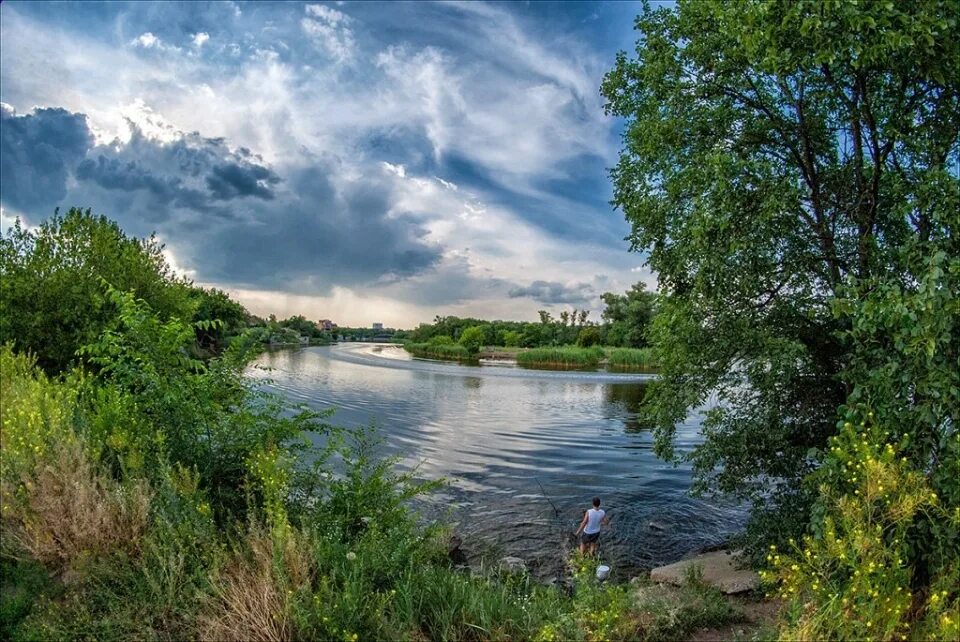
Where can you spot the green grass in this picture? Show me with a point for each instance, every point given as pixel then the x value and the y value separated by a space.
pixel 630 358
pixel 446 352
pixel 674 613
pixel 561 356
pixel 21 586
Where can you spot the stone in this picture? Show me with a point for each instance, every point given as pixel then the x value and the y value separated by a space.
pixel 512 564
pixel 719 568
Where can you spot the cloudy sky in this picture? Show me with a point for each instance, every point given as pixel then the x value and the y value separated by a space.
pixel 361 162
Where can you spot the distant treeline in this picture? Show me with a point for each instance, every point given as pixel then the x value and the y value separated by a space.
pixel 624 321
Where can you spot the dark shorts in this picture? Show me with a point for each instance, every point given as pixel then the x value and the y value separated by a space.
pixel 589 538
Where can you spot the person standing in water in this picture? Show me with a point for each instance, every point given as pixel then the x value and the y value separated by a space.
pixel 593 519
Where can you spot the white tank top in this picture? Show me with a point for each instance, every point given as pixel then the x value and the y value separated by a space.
pixel 594 517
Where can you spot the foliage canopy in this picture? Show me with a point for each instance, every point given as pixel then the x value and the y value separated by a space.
pixel 791 170
pixel 51 298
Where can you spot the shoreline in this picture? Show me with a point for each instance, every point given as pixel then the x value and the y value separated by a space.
pixel 508 357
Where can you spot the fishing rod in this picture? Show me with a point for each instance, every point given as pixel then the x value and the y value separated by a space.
pixel 561 528
pixel 556 511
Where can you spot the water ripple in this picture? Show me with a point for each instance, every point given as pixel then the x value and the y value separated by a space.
pixel 499 434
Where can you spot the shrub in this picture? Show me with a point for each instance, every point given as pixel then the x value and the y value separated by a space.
pixel 70 510
pixel 253 595
pixel 852 577
pixel 589 336
pixel 51 300
pixel 472 339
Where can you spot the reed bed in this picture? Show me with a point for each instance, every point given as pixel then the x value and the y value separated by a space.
pixel 561 356
pixel 444 351
pixel 630 358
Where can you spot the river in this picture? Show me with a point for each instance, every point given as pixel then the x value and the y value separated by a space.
pixel 523 451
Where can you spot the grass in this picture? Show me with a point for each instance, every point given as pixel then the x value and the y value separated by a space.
pixel 561 356
pixel 445 352
pixel 22 583
pixel 577 357
pixel 673 613
pixel 630 358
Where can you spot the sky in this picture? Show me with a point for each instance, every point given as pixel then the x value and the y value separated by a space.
pixel 361 162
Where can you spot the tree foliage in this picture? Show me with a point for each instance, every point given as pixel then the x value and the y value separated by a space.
pixel 625 322
pixel 791 169
pixel 216 305
pixel 51 298
pixel 472 339
pixel 628 316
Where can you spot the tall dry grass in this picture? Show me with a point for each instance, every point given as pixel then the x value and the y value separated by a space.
pixel 67 509
pixel 253 594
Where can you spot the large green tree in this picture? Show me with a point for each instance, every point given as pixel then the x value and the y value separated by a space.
pixel 789 166
pixel 52 296
pixel 628 314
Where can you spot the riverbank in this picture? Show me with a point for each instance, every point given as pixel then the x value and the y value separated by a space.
pixel 168 545
pixel 547 358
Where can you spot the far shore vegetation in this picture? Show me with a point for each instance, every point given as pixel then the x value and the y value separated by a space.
pixel 569 340
pixel 558 357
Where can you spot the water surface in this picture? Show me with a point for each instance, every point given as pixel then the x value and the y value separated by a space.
pixel 515 445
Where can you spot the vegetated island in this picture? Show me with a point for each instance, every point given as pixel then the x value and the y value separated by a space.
pixel 548 358
pixel 570 341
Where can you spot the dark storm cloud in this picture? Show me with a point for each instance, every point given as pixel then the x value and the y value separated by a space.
pixel 37 152
pixel 308 232
pixel 231 180
pixel 130 176
pixel 321 233
pixel 552 292
pixel 41 150
pixel 191 171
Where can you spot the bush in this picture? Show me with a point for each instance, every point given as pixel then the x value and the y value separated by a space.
pixel 51 299
pixel 852 578
pixel 589 336
pixel 69 510
pixel 472 339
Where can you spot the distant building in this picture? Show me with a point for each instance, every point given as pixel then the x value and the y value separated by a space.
pixel 326 324
pixel 378 326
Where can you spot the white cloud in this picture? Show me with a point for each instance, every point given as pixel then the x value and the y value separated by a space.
pixel 507 102
pixel 147 40
pixel 329 30
pixel 447 184
pixel 328 15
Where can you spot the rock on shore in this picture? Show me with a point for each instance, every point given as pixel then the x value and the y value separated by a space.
pixel 719 568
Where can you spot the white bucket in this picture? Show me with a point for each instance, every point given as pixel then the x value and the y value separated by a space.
pixel 602 572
